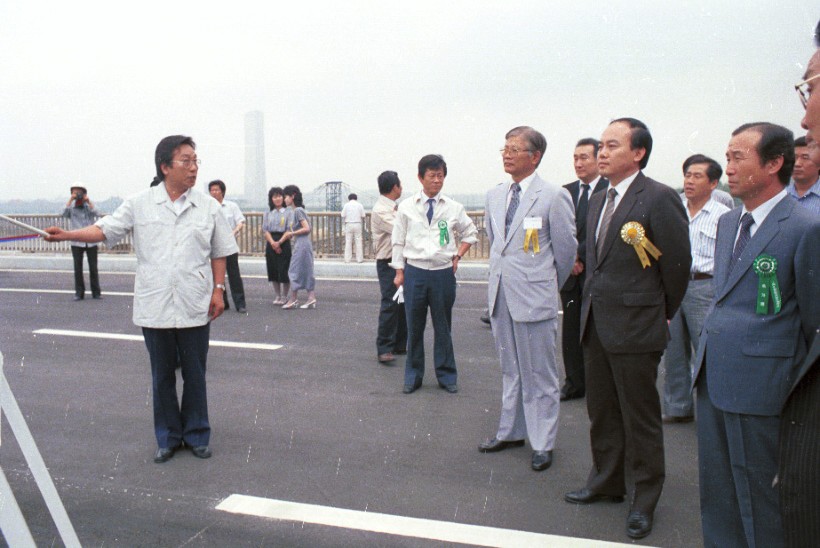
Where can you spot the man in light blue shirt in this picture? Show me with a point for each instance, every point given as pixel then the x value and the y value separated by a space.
pixel 805 183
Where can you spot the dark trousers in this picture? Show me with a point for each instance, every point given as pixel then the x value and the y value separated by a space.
pixel 436 290
pixel 234 281
pixel 574 384
pixel 625 415
pixel 188 350
pixel 737 459
pixel 93 273
pixel 392 332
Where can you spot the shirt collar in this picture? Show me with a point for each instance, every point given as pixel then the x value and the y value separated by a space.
pixel 762 211
pixel 523 183
pixel 813 189
pixel 592 184
pixel 623 186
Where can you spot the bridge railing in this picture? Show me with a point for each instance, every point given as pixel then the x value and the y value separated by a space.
pixel 327 235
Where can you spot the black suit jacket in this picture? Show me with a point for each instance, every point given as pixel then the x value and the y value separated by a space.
pixel 574 189
pixel 632 304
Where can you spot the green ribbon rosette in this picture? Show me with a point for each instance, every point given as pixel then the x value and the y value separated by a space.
pixel 765 267
pixel 443 234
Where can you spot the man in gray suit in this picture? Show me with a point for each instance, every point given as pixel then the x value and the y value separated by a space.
pixel 762 320
pixel 531 229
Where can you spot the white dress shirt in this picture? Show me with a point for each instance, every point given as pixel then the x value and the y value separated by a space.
pixel 419 242
pixel 174 281
pixel 703 235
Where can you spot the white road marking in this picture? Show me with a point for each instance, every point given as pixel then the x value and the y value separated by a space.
pixel 63 291
pixel 444 531
pixel 139 338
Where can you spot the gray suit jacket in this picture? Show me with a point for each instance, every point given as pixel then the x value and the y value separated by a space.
pixel 752 360
pixel 531 280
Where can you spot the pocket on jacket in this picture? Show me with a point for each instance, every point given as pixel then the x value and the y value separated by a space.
pixel 775 348
pixel 653 298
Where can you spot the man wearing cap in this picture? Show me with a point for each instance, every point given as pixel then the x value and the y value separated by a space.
pixel 80 212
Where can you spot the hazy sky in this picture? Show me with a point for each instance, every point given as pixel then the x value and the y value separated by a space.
pixel 352 88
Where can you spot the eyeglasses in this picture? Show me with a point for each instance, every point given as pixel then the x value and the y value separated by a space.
pixel 513 151
pixel 187 162
pixel 803 90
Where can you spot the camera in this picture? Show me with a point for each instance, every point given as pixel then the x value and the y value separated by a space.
pixel 79 196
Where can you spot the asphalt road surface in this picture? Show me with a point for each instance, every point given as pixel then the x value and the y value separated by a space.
pixel 315 422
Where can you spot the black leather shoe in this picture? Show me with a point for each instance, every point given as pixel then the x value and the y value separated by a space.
pixel 450 388
pixel 164 454
pixel 78 297
pixel 541 460
pixel 585 496
pixel 98 297
pixel 410 388
pixel 494 445
pixel 670 419
pixel 566 396
pixel 485 316
pixel 638 525
pixel 202 452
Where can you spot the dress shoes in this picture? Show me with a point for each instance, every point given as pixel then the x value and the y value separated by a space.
pixel 494 445
pixel 585 496
pixel 410 388
pixel 638 525
pixel 164 454
pixel 98 297
pixel 78 297
pixel 566 396
pixel 450 388
pixel 242 310
pixel 202 452
pixel 387 358
pixel 485 316
pixel 541 460
pixel 669 419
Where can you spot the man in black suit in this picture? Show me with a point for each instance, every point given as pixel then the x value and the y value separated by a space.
pixel 799 457
pixel 638 260
pixel 585 161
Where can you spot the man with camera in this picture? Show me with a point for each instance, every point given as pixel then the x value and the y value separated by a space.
pixel 81 213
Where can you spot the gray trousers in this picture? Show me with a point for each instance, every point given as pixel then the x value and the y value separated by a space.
pixel 678 360
pixel 529 373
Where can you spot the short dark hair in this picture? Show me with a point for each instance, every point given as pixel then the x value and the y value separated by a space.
pixel 535 139
pixel 713 169
pixel 274 191
pixel 294 192
pixel 800 142
pixel 432 162
pixel 220 184
pixel 641 138
pixel 774 141
pixel 387 181
pixel 164 153
pixel 352 196
pixel 817 34
pixel 589 141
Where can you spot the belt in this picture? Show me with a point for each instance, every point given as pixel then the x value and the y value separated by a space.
pixel 700 276
pixel 384 261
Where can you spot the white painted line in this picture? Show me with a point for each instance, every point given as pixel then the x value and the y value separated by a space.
pixel 444 531
pixel 63 292
pixel 139 338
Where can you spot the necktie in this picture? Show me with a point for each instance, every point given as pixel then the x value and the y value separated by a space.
pixel 581 210
pixel 516 190
pixel 608 210
pixel 743 238
pixel 430 203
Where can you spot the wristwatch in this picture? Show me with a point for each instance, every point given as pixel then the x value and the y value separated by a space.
pixel 220 286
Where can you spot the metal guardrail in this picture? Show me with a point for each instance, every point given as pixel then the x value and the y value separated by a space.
pixel 327 235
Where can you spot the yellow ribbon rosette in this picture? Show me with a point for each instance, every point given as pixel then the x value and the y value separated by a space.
pixel 634 234
pixel 531 238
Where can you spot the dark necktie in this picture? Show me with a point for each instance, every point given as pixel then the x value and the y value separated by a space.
pixel 430 203
pixel 608 210
pixel 516 190
pixel 743 238
pixel 583 206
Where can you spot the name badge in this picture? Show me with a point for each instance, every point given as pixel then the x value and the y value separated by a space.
pixel 531 223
